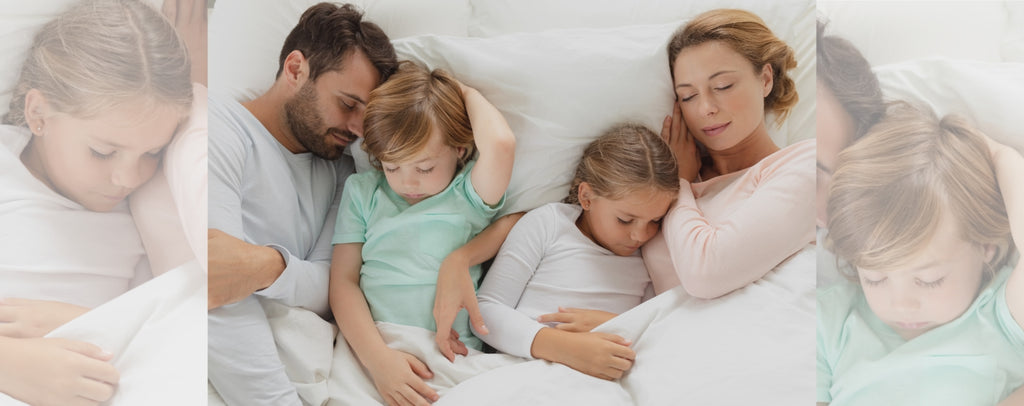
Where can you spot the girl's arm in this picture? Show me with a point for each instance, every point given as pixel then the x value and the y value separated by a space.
pixel 455 289
pixel 55 371
pixel 26 318
pixel 1009 165
pixel 601 355
pixel 397 375
pixel 496 143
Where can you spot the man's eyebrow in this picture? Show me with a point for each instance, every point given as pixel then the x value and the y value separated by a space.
pixel 354 97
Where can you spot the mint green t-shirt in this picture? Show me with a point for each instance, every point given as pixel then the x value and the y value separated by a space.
pixel 403 245
pixel 976 359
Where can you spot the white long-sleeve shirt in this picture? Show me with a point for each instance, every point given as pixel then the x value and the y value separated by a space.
pixel 546 262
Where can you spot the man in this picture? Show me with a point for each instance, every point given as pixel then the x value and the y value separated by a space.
pixel 276 170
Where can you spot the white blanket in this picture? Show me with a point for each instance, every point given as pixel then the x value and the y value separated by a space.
pixel 157 333
pixel 753 346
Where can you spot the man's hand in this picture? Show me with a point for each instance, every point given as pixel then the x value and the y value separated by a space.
pixel 237 268
pixel 26 318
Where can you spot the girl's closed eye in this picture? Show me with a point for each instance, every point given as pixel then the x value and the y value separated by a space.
pixel 101 155
pixel 621 221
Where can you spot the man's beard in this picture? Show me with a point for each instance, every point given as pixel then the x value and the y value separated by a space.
pixel 304 122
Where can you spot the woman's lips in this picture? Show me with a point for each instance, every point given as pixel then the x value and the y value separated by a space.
pixel 714 130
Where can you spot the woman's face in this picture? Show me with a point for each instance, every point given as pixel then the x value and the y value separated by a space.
pixel 98 162
pixel 622 226
pixel 934 288
pixel 721 94
pixel 835 132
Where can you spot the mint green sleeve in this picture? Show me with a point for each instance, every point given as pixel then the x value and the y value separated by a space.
pixel 824 375
pixel 351 224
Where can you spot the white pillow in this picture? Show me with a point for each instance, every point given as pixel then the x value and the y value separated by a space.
pixel 987 93
pixel 560 89
pixel 18 25
pixel 889 32
pixel 246 35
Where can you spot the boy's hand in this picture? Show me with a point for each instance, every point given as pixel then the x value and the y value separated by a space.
pixel 682 143
pixel 399 377
pixel 26 318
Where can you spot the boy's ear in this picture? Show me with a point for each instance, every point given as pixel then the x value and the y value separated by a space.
pixel 36 111
pixel 990 251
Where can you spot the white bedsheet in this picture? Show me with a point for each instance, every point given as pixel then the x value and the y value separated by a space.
pixel 753 346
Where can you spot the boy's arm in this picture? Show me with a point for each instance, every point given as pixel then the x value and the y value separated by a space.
pixel 396 374
pixel 496 143
pixel 455 287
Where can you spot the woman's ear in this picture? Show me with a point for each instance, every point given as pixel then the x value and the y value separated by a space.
pixel 768 78
pixel 36 111
pixel 584 195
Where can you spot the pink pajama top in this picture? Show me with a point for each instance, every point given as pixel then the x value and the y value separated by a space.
pixel 729 231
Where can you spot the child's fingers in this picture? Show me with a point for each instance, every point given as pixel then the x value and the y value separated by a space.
pixel 475 318
pixel 418 367
pixel 95 390
pixel 444 344
pixel 557 318
pixel 412 396
pixel 421 388
pixel 85 349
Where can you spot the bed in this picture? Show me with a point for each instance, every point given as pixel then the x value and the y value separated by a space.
pixel 560 72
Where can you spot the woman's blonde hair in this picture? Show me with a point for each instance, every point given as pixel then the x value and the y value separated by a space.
pixel 625 158
pixel 892 187
pixel 101 54
pixel 402 113
pixel 748 35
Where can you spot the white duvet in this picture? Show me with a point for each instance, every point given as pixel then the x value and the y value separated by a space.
pixel 753 346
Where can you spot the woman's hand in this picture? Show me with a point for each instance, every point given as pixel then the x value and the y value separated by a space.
pixel 399 377
pixel 26 318
pixel 455 292
pixel 54 371
pixel 576 320
pixel 682 143
pixel 601 355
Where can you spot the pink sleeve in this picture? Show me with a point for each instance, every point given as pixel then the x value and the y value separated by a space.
pixel 715 257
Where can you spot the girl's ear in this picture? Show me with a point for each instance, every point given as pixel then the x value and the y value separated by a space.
pixel 585 195
pixel 36 111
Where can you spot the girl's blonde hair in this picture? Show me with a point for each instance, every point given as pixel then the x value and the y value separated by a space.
pixel 892 187
pixel 625 158
pixel 101 54
pixel 402 113
pixel 745 33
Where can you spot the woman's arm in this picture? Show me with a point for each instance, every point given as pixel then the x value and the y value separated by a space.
pixel 455 289
pixel 773 222
pixel 397 375
pixel 496 143
pixel 1009 165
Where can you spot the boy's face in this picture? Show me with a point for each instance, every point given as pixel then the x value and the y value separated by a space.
pixel 98 162
pixel 934 288
pixel 426 173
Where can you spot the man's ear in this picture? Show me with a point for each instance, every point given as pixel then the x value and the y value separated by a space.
pixel 295 71
pixel 37 109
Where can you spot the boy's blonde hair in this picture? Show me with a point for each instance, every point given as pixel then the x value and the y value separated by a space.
pixel 402 113
pixel 101 54
pixel 748 35
pixel 892 187
pixel 625 158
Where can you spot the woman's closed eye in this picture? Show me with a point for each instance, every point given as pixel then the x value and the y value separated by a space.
pixel 726 87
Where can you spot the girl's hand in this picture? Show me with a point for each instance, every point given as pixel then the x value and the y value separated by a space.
pixel 601 355
pixel 576 320
pixel 54 371
pixel 682 143
pixel 26 318
pixel 399 377
pixel 454 292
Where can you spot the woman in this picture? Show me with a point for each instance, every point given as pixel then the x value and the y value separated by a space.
pixel 747 205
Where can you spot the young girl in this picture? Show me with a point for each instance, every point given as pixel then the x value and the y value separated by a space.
pixel 395 226
pixel 562 258
pixel 920 213
pixel 103 89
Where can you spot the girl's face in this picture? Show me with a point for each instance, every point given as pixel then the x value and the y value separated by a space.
pixel 426 173
pixel 720 93
pixel 98 162
pixel 934 288
pixel 622 226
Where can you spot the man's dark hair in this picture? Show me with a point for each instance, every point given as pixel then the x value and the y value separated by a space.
pixel 327 33
pixel 846 72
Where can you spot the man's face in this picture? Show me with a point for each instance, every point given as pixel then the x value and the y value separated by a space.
pixel 327 114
